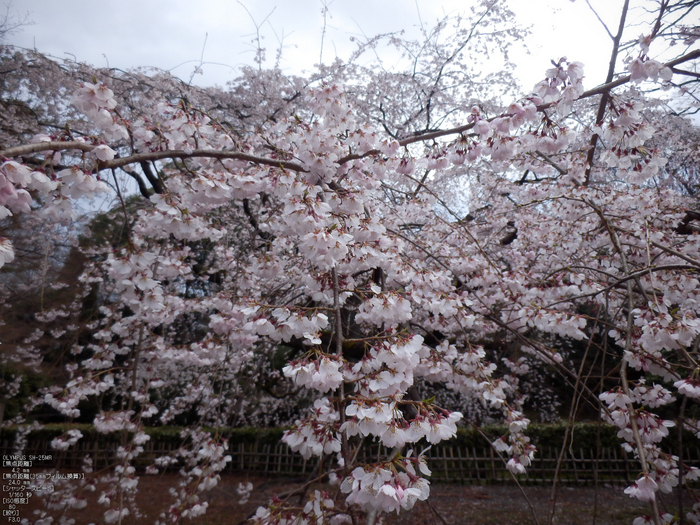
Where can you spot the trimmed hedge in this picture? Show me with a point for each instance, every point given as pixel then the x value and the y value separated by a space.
pixel 585 435
pixel 167 434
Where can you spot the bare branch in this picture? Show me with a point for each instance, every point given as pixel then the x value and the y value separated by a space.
pixel 600 20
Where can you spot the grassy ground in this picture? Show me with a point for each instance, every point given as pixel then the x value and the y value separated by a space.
pixel 449 504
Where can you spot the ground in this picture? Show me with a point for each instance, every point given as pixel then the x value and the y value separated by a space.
pixel 451 504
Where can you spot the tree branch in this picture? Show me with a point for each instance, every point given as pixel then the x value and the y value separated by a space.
pixel 603 88
pixel 149 156
pixel 606 96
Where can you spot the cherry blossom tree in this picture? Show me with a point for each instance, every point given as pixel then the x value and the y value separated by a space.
pixel 388 230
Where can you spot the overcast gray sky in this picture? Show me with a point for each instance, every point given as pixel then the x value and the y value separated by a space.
pixel 170 34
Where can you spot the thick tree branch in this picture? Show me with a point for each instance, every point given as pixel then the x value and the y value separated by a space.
pixel 152 177
pixel 149 156
pixel 213 154
pixel 143 189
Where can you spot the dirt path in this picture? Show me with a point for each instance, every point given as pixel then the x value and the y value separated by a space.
pixel 451 504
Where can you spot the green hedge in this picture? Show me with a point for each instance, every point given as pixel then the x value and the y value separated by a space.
pixel 160 434
pixel 585 435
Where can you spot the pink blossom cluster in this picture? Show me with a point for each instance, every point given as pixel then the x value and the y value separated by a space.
pixel 386 490
pixel 377 260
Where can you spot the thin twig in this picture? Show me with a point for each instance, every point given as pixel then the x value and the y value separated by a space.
pixel 600 20
pixel 641 451
pixel 437 514
pixel 681 417
pixel 522 490
pixel 569 423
